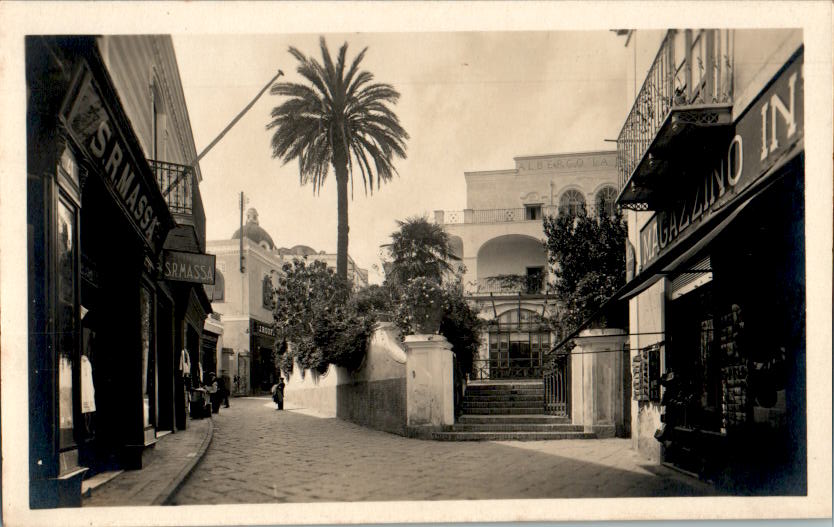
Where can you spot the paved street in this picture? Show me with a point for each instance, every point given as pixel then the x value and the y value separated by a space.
pixel 260 455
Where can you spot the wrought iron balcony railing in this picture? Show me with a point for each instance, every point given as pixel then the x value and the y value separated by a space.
pixel 691 71
pixel 457 217
pixel 509 285
pixel 182 194
pixel 176 183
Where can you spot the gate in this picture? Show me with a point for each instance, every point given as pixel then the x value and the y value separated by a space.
pixel 556 388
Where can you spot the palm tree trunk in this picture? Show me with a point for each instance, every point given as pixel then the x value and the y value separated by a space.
pixel 340 166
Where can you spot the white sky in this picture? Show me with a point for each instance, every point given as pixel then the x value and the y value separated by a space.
pixel 469 101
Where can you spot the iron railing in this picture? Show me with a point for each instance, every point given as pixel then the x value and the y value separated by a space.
pixel 177 185
pixel 529 285
pixel 457 217
pixel 556 387
pixel 182 194
pixel 686 72
pixel 507 368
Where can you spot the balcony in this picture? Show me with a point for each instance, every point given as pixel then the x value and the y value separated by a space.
pixel 524 214
pixel 508 285
pixel 182 194
pixel 683 109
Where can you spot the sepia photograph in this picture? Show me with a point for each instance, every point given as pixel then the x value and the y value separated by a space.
pixel 429 269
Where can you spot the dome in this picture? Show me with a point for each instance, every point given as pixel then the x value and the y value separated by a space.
pixel 254 232
pixel 297 250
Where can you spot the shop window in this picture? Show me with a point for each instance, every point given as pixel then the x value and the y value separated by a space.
pixel 146 320
pixel 605 201
pixel 645 369
pixel 67 323
pixel 532 212
pixel 571 203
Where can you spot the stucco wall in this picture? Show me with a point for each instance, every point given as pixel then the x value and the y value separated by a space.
pixel 373 395
pixel 647 322
pixel 312 391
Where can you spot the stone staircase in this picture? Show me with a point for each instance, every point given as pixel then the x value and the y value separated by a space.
pixel 508 410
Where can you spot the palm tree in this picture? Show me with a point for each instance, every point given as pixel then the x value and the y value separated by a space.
pixel 341 118
pixel 419 248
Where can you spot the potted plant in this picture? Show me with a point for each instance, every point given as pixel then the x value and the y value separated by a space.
pixel 421 306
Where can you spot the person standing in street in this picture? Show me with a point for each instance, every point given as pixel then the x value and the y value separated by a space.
pixel 223 391
pixel 278 393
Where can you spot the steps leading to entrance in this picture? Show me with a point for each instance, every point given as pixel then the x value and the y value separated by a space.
pixel 508 410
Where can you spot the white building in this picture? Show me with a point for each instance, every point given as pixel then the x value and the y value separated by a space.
pixel 499 238
pixel 242 295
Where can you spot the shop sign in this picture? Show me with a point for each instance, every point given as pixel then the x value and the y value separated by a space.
pixel 188 267
pixel 91 124
pixel 768 130
pixel 263 329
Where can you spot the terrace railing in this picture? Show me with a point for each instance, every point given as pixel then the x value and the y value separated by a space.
pixel 692 68
pixel 182 194
pixel 453 217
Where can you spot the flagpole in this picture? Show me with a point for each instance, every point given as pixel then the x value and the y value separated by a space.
pixel 236 119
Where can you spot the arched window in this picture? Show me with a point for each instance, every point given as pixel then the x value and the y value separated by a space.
pixel 571 202
pixel 216 292
pixel 605 201
pixel 219 292
pixel 267 292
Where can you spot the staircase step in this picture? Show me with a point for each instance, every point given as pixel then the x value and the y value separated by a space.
pixel 509 436
pixel 504 404
pixel 507 419
pixel 503 397
pixel 514 427
pixel 511 410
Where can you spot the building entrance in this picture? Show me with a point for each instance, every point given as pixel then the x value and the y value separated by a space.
pixel 516 346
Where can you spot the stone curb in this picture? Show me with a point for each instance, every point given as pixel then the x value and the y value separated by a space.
pixel 165 497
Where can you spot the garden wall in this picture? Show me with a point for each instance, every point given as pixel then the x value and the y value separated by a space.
pixel 313 392
pixel 374 395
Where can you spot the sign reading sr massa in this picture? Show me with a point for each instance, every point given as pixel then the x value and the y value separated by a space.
pixel 120 163
pixel 188 267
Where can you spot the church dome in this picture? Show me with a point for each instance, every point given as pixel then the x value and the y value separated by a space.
pixel 254 232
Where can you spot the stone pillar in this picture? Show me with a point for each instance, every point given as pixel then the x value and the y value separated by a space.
pixel 468 215
pixel 597 366
pixel 439 217
pixel 429 381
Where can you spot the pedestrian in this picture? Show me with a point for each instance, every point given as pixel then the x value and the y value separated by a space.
pixel 213 390
pixel 278 393
pixel 223 391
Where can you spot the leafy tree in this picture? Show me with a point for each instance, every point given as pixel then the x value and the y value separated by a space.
pixel 587 256
pixel 316 323
pixel 340 119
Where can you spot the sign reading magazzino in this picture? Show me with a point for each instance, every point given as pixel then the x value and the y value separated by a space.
pixel 188 267
pixel 767 131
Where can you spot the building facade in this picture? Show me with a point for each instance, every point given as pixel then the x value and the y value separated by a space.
pixel 499 238
pixel 243 296
pixel 710 165
pixel 116 234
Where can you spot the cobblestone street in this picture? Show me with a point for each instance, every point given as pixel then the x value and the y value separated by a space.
pixel 260 455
